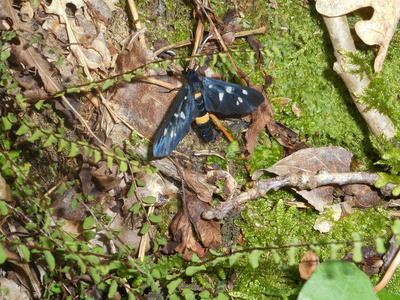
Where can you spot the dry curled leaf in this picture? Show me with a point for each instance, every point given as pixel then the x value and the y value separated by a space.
pixel 378 30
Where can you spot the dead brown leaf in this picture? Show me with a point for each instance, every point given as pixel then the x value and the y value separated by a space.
pixel 361 195
pixel 263 116
pixel 197 182
pixel 143 105
pixel 182 226
pixel 379 30
pixel 309 262
pixel 207 230
pixel 107 178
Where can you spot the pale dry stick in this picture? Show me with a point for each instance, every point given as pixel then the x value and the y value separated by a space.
pixel 137 23
pixel 342 41
pixel 144 239
pixel 300 180
pixel 389 273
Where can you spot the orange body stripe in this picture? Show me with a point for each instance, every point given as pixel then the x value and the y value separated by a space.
pixel 197 95
pixel 203 119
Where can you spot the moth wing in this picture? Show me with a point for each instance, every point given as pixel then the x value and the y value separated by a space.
pixel 176 124
pixel 229 98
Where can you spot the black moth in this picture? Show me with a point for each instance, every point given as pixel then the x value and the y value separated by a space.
pixel 197 97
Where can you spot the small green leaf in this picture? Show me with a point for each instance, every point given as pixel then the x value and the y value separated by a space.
pixel 135 207
pixel 154 218
pixel 234 257
pixel 6 123
pixel 380 246
pixel 191 270
pixel 97 156
pixel 3 255
pixel 140 182
pixel 23 129
pixel 31 225
pixel 109 162
pixel 25 252
pixel 62 145
pixel 173 285
pixel 145 228
pixel 74 150
pixel 254 258
pixel 88 222
pixel 72 90
pixel 89 235
pixel 38 134
pixel 113 289
pixel 119 152
pixel 39 104
pixel 123 166
pixel 50 140
pixel 149 200
pixel 3 208
pixel 95 274
pixel 127 77
pixel 4 55
pixel 108 83
pixel 337 280
pixel 291 254
pixel 49 259
pixel 132 189
pixel 276 256
pixel 396 190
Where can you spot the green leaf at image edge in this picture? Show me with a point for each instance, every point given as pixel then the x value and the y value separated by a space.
pixel 338 280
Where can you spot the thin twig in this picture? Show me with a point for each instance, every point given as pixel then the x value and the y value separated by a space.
pixel 389 273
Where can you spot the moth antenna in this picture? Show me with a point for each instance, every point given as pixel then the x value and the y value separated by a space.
pixel 204 43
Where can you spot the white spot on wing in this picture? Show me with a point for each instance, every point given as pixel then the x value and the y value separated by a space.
pixel 185 98
pixel 245 92
pixel 175 115
pixel 228 89
pixel 165 131
pixel 210 86
pixel 240 100
pixel 172 134
pixel 221 96
pixel 182 115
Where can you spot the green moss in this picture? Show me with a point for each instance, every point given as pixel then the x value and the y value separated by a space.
pixel 270 223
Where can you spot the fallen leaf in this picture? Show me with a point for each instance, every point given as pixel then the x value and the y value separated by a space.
pixel 107 178
pixel 309 262
pixel 262 117
pixel 197 182
pixel 361 195
pixel 187 219
pixel 379 30
pixel 208 231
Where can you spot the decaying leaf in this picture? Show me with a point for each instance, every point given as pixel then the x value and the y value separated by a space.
pixel 263 116
pixel 378 30
pixel 361 195
pixel 309 262
pixel 182 226
pixel 107 178
pixel 197 182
